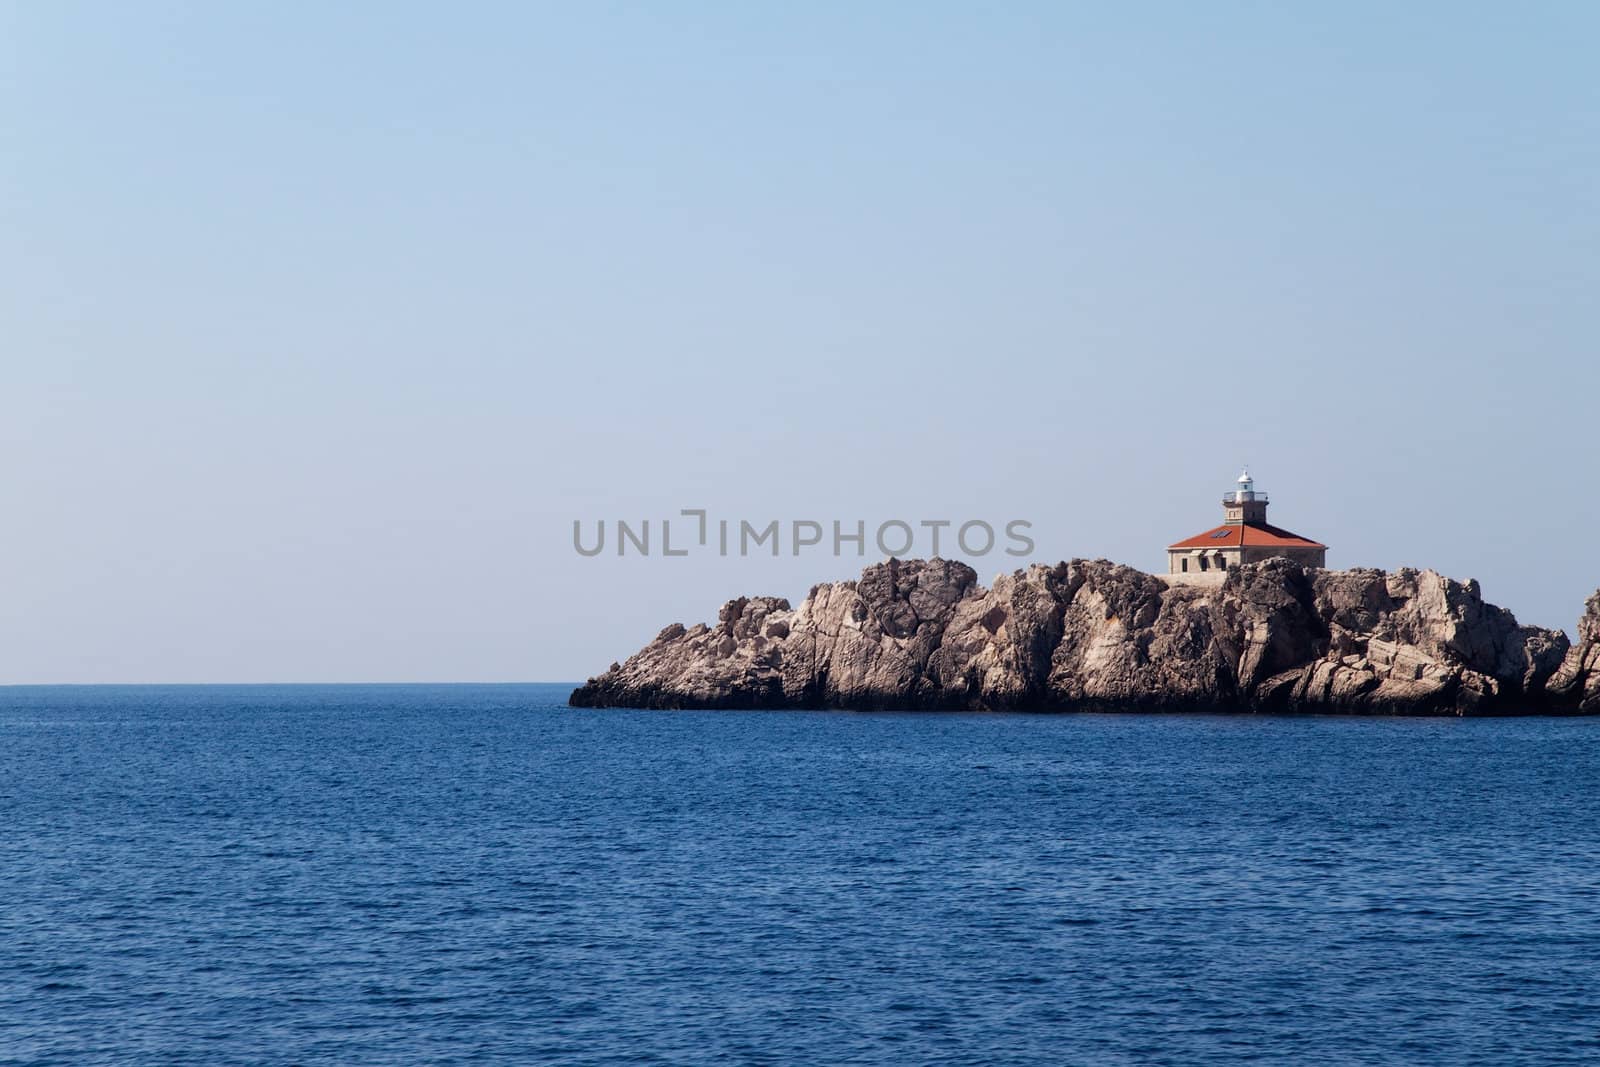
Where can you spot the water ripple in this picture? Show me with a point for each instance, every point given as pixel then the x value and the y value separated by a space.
pixel 377 875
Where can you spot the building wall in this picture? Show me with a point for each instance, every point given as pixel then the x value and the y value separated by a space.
pixel 1306 557
pixel 1208 580
pixel 1176 560
pixel 1233 557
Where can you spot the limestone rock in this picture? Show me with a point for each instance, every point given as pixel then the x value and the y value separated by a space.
pixel 998 644
pixel 1128 641
pixel 1091 634
pixel 727 666
pixel 1576 683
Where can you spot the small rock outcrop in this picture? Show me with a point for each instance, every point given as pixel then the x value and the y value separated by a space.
pixel 1577 681
pixel 1096 635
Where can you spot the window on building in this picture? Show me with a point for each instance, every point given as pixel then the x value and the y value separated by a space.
pixel 1203 563
pixel 1184 564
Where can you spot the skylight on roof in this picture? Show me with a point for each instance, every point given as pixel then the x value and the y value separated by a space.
pixel 1220 533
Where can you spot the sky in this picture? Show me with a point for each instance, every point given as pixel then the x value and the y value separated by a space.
pixel 323 324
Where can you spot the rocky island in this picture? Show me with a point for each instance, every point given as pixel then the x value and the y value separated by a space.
pixel 1092 635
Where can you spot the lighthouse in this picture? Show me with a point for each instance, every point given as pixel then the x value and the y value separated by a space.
pixel 1245 536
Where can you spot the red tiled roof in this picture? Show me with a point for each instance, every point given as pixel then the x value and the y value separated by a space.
pixel 1253 534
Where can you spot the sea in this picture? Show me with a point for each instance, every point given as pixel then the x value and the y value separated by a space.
pixel 478 874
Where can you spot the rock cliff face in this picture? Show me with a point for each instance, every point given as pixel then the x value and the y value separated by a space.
pixel 1577 681
pixel 1095 635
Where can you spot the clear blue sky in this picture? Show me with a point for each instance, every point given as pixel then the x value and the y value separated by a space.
pixel 323 322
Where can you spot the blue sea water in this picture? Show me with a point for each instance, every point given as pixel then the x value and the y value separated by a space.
pixel 477 874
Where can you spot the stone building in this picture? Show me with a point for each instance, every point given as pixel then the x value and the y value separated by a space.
pixel 1245 536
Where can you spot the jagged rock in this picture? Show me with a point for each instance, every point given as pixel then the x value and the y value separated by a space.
pixel 868 644
pixel 1091 634
pixel 726 666
pixel 1577 680
pixel 1127 640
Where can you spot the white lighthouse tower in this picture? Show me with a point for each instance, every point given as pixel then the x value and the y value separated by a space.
pixel 1244 504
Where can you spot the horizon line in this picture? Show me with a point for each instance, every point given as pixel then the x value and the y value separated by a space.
pixel 176 685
